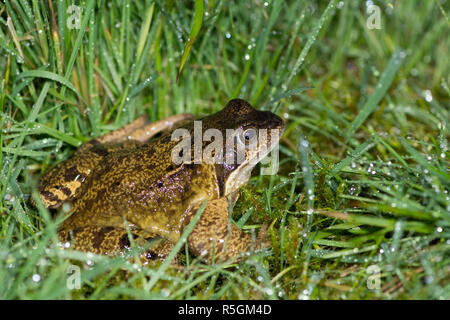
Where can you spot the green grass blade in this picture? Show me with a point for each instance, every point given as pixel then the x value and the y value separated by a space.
pixel 196 26
pixel 380 91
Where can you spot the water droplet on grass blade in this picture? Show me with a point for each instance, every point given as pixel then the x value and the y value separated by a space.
pixel 428 96
pixel 36 277
pixel 268 291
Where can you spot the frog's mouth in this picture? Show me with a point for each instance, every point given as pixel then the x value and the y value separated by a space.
pixel 240 176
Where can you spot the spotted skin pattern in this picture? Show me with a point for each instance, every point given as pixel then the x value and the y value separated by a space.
pixel 126 179
pixel 111 240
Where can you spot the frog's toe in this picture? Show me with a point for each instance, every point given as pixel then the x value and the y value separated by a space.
pixel 157 252
pixel 262 241
pixel 142 129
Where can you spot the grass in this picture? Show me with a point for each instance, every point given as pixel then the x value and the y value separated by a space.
pixel 362 193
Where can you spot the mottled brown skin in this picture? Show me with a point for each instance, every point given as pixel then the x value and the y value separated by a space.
pixel 126 177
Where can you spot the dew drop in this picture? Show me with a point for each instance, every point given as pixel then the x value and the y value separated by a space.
pixel 165 293
pixel 268 291
pixel 428 96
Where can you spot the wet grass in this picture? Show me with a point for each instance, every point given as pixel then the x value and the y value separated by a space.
pixel 360 207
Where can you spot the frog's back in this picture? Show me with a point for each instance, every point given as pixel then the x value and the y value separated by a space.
pixel 142 185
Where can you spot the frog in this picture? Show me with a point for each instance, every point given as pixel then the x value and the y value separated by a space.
pixel 125 188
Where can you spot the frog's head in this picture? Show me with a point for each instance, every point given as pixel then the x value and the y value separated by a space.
pixel 249 135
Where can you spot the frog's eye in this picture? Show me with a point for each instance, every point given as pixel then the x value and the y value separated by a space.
pixel 247 136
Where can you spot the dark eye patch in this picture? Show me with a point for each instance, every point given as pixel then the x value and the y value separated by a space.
pixel 100 150
pixel 72 173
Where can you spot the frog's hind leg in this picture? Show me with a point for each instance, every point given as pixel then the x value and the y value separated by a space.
pixel 61 182
pixel 114 240
pixel 213 236
pixel 142 129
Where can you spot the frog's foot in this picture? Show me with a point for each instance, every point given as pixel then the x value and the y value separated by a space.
pixel 113 241
pixel 262 241
pixel 142 129
pixel 213 237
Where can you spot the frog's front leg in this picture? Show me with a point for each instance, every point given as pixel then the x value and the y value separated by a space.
pixel 213 236
pixel 107 240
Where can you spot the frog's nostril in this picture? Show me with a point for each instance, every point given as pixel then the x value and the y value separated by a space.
pixel 275 122
pixel 278 120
